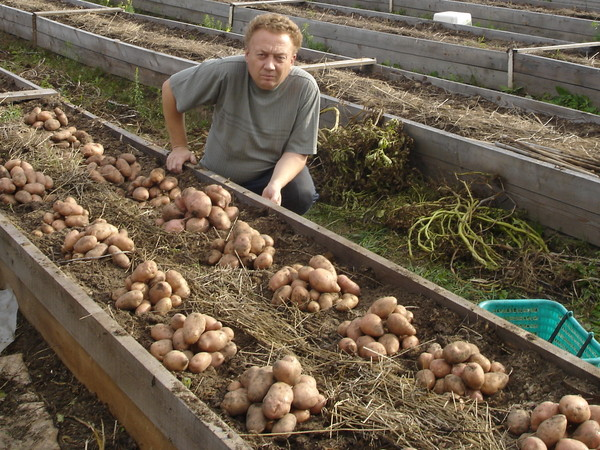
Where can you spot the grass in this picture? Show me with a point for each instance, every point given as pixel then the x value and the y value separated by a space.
pixel 137 108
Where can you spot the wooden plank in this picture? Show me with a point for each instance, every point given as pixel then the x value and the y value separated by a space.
pixel 30 94
pixel 138 388
pixel 68 12
pixel 519 21
pixel 358 62
pixel 16 22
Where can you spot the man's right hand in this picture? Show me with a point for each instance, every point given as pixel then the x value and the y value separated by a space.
pixel 178 157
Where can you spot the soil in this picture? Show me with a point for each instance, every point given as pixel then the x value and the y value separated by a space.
pixel 262 332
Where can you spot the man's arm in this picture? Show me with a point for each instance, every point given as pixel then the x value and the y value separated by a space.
pixel 286 169
pixel 175 123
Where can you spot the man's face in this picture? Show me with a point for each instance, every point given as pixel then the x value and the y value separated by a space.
pixel 270 58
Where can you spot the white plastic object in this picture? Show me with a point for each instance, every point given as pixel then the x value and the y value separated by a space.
pixel 458 18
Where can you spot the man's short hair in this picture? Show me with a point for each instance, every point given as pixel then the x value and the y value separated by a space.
pixel 275 23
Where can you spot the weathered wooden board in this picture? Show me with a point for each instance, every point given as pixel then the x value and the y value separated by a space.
pixel 502 18
pixel 28 90
pixel 103 356
pixel 580 5
pixel 487 68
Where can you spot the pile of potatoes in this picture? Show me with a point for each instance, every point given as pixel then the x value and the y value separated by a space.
pixel 106 168
pixel 274 398
pixel 244 246
pixel 570 424
pixel 194 342
pixel 148 288
pixel 461 369
pixel 65 213
pixel 20 183
pixel 382 331
pixel 98 239
pixel 157 188
pixel 46 119
pixel 196 210
pixel 314 287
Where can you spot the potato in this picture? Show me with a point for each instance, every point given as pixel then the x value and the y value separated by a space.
pixel 144 271
pixel 236 402
pixel 588 433
pixel 285 425
pixel 159 290
pixel 319 405
pixel 541 412
pixel 176 360
pixel 575 408
pixel 23 196
pixel 218 195
pixel 440 367
pixel 200 362
pixel 161 331
pixel 473 375
pixel 178 283
pixel 518 421
pixel 409 342
pixel 372 325
pixel 193 326
pixel 391 343
pixel 216 359
pixel 84 244
pixel 287 370
pixel 532 443
pixel 348 345
pixel 263 261
pixel 423 360
pixel 278 400
pixel 119 258
pixel 373 351
pixel 219 218
pixel 399 325
pixel 570 444
pixel 321 262
pixel 101 230
pixel 305 394
pixel 230 350
pixel 347 285
pixel 280 278
pixel 302 415
pixel 425 378
pixel 163 306
pixel 160 348
pixel 281 295
pixel 96 252
pixel 383 306
pixel 346 302
pixel 256 422
pixel 323 281
pixel 457 352
pixel 483 361
pixel 493 382
pixel 353 330
pixel 212 340
pixel 552 429
pixel 595 413
pixel 259 383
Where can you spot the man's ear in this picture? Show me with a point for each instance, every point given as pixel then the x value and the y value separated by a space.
pixel 294 56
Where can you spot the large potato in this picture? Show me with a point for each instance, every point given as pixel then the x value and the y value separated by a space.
pixel 306 395
pixel 259 383
pixel 193 326
pixel 256 422
pixel 288 370
pixel 457 352
pixel 493 382
pixel 541 412
pixel 575 408
pixel 212 341
pixel 236 402
pixel 278 401
pixel 570 444
pixel 372 325
pixel 473 375
pixel 588 432
pixel 383 306
pixel 285 425
pixel 552 430
pixel 518 421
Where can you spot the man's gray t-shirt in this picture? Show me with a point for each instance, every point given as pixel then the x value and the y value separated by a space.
pixel 251 127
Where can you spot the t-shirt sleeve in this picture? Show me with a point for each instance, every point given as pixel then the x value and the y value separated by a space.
pixel 303 138
pixel 198 85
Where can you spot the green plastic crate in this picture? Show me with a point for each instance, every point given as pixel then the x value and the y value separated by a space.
pixel 550 321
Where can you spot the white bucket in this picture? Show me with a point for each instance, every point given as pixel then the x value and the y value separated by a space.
pixel 458 18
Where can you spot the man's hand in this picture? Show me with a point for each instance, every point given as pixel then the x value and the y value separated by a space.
pixel 272 193
pixel 178 157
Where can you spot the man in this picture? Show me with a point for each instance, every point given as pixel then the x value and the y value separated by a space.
pixel 265 118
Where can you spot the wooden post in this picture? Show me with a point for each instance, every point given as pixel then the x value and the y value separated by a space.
pixel 511 62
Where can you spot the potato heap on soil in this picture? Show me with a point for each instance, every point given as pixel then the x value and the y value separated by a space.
pixel 110 169
pixel 243 246
pixel 196 210
pixel 157 188
pixel 461 369
pixel 65 213
pixel 98 239
pixel 314 287
pixel 20 183
pixel 382 331
pixel 570 424
pixel 150 289
pixel 45 119
pixel 274 398
pixel 194 342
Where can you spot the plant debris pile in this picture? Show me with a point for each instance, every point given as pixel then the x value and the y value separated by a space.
pixel 361 158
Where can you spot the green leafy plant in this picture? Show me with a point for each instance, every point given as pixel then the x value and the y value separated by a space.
pixel 310 42
pixel 569 100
